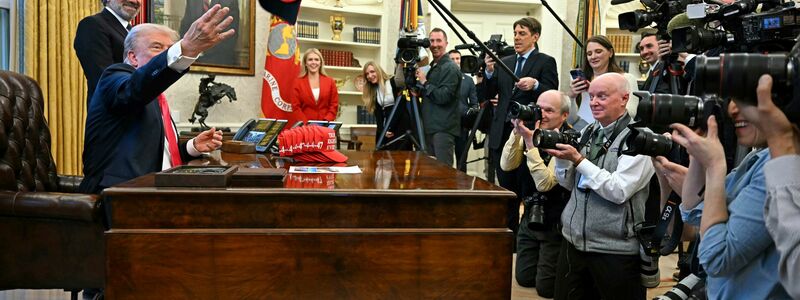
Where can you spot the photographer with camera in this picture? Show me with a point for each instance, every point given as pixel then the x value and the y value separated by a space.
pixel 782 175
pixel 439 91
pixel 608 198
pixel 467 98
pixel 537 73
pixel 735 249
pixel 539 239
pixel 651 50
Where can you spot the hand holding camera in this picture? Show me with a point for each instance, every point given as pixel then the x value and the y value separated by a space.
pixel 673 173
pixel 707 150
pixel 782 136
pixel 525 132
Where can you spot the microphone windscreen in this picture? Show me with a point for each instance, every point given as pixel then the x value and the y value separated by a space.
pixel 682 20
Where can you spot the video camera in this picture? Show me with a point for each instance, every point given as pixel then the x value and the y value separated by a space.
pixel 644 142
pixel 474 65
pixel 742 29
pixel 408 49
pixel 657 11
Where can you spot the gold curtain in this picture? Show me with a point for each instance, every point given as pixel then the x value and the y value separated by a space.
pixel 50 27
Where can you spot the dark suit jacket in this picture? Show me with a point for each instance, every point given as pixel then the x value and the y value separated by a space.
pixel 124 129
pixel 99 43
pixel 224 53
pixel 328 105
pixel 540 66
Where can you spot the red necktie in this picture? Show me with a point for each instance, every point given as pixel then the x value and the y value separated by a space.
pixel 169 131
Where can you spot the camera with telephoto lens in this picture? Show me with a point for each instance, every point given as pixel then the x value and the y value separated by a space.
pixel 408 49
pixel 660 110
pixel 735 76
pixel 690 288
pixel 547 139
pixel 474 65
pixel 744 29
pixel 641 141
pixel 526 113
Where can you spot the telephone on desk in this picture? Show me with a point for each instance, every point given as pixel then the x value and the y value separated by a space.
pixel 261 132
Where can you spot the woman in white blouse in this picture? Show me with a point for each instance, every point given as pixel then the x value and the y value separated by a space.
pixel 600 58
pixel 380 96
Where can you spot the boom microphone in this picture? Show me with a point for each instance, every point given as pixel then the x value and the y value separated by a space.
pixel 465 46
pixel 615 2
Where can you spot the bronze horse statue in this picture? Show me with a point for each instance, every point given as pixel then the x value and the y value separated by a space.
pixel 210 93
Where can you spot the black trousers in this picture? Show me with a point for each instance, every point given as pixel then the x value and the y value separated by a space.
pixel 587 275
pixel 518 181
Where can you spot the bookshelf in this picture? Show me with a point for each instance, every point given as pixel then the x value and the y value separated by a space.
pixel 361 16
pixel 625 42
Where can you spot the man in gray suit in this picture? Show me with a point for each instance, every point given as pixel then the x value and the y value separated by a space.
pixel 466 98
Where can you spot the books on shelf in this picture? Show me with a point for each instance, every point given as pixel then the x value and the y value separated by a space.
pixel 307 29
pixel 363 116
pixel 622 43
pixel 339 58
pixel 367 35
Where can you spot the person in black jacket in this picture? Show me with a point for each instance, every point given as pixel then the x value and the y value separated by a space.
pixel 380 95
pixel 99 38
pixel 467 97
pixel 537 73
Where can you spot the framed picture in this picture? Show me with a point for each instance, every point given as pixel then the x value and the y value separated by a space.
pixel 232 56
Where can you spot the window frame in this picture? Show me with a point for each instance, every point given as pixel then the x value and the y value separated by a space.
pixel 15 44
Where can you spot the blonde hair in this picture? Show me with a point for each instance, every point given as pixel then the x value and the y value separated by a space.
pixel 304 69
pixel 370 92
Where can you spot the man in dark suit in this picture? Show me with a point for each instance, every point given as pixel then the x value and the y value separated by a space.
pixel 467 98
pixel 128 129
pixel 99 38
pixel 537 73
pixel 651 50
pixel 226 52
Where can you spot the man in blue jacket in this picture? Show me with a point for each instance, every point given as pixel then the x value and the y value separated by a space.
pixel 129 131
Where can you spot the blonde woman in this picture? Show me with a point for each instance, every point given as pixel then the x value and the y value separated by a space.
pixel 316 93
pixel 379 96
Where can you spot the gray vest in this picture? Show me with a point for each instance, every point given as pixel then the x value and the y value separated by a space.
pixel 593 224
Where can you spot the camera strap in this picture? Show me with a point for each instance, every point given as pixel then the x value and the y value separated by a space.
pixel 669 212
pixel 607 145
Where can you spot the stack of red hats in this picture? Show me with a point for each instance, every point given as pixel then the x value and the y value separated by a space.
pixel 310 144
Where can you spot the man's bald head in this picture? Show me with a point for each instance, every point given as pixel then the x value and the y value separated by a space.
pixel 609 95
pixel 555 109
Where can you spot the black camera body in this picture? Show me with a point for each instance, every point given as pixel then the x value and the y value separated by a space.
pixel 547 139
pixel 408 49
pixel 744 30
pixel 641 141
pixel 658 11
pixel 474 65
pixel 658 111
pixel 526 113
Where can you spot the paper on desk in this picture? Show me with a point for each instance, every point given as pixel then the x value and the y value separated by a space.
pixel 318 170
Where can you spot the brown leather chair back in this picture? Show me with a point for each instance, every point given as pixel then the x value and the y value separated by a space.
pixel 51 237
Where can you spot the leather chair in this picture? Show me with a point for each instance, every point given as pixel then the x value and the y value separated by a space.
pixel 50 236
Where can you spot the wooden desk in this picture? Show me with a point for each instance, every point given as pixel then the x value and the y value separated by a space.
pixel 407 227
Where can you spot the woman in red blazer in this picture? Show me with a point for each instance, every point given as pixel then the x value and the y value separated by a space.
pixel 316 93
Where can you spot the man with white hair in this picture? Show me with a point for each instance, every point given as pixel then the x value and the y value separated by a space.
pixel 129 131
pixel 539 239
pixel 608 198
